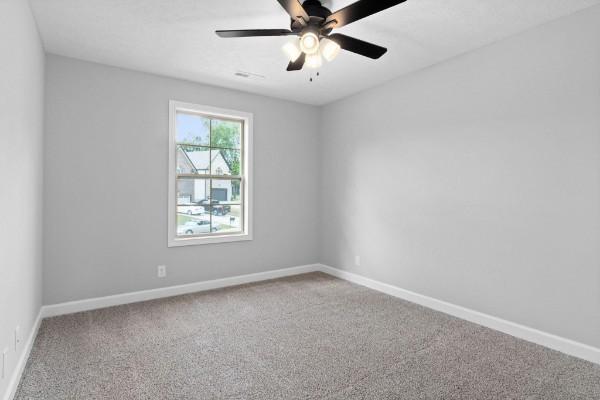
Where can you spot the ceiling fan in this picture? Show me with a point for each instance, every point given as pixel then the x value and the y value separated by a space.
pixel 312 23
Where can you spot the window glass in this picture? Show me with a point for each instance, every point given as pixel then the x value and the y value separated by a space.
pixel 226 162
pixel 209 175
pixel 193 129
pixel 226 134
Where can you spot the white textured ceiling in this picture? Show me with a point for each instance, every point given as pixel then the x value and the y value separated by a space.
pixel 176 38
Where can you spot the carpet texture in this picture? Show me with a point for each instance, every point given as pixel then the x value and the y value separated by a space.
pixel 306 337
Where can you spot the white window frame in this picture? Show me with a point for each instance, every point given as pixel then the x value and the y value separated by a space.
pixel 247 152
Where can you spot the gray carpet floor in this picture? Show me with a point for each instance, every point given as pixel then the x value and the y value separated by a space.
pixel 305 337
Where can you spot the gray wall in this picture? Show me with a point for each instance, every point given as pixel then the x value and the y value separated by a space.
pixel 106 183
pixel 21 126
pixel 477 181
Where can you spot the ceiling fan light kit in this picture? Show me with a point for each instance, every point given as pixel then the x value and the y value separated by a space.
pixel 313 23
pixel 314 60
pixel 329 49
pixel 292 50
pixel 309 42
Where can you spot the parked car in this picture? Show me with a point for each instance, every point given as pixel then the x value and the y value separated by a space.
pixel 195 228
pixel 191 209
pixel 215 207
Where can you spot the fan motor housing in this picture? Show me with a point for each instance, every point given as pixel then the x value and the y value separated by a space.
pixel 317 14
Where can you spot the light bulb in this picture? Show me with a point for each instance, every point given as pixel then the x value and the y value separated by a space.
pixel 329 49
pixel 309 43
pixel 292 50
pixel 314 60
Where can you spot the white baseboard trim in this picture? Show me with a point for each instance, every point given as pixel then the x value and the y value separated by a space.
pixel 13 384
pixel 152 294
pixel 554 342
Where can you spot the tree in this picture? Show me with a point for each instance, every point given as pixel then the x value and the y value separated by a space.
pixel 227 136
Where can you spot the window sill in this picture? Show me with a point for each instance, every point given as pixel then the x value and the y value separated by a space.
pixel 194 241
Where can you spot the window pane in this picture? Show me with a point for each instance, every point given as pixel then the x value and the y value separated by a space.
pixel 227 219
pixel 193 129
pixel 192 196
pixel 225 191
pixel 193 160
pixel 225 162
pixel 227 134
pixel 188 225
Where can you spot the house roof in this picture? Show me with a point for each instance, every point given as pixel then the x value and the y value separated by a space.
pixel 200 159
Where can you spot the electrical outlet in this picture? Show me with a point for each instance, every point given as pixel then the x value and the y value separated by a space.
pixel 357 261
pixel 17 337
pixel 162 271
pixel 4 363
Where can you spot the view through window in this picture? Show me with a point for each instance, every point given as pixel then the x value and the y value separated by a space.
pixel 210 174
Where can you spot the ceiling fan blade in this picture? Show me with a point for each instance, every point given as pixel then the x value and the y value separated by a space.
pixel 359 10
pixel 295 9
pixel 298 64
pixel 358 46
pixel 254 32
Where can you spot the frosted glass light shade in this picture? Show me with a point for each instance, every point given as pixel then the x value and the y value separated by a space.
pixel 329 49
pixel 314 60
pixel 309 43
pixel 292 50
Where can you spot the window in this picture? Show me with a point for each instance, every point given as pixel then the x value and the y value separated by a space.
pixel 210 175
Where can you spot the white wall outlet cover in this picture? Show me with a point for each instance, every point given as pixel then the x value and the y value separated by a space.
pixel 357 261
pixel 17 337
pixel 162 271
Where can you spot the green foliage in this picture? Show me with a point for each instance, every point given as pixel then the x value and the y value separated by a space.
pixel 187 148
pixel 232 157
pixel 227 135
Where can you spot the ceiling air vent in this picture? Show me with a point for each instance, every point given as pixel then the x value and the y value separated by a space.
pixel 248 75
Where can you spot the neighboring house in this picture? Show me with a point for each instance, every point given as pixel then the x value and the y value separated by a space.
pixel 199 162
